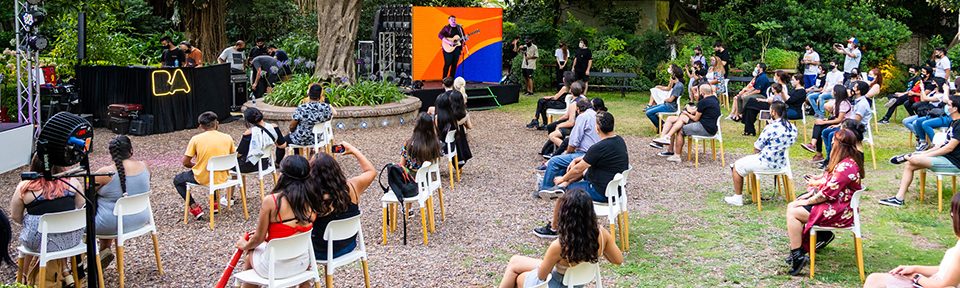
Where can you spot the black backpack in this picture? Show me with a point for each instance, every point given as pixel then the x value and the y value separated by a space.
pixel 402 185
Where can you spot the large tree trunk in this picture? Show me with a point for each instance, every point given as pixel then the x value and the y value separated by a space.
pixel 204 26
pixel 337 23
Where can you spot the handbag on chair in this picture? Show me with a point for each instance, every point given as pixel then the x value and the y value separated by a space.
pixel 403 186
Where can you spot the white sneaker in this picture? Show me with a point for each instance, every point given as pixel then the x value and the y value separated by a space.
pixel 662 140
pixel 674 158
pixel 735 200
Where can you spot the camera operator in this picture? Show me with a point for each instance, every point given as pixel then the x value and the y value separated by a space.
pixel 852 56
pixel 696 73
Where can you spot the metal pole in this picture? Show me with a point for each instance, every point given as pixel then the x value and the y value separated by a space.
pixel 91 193
pixel 17 27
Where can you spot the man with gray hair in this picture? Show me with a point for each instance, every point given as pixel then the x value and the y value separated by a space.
pixel 698 119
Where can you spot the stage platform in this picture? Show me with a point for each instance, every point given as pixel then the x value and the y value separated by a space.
pixel 480 96
pixel 18 140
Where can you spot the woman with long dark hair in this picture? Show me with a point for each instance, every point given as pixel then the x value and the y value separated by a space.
pixel 338 197
pixel 580 240
pixel 258 136
pixel 841 107
pixel 288 210
pixel 827 201
pixel 562 54
pixel 555 101
pixel 34 198
pixel 422 146
pixel 132 177
pixel 453 117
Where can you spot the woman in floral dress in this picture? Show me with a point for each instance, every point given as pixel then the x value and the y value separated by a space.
pixel 827 202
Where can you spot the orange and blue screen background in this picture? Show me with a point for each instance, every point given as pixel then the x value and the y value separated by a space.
pixel 483 56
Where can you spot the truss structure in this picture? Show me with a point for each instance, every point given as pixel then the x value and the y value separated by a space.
pixel 28 70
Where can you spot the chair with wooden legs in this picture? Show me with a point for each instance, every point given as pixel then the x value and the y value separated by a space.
pixel 855 229
pixel 133 205
pixel 428 180
pixel 453 161
pixel 283 249
pixel 340 230
pixel 226 163
pixel 582 274
pixel 717 137
pixel 558 112
pixel 939 139
pixel 53 223
pixel 725 96
pixel 612 209
pixel 868 139
pixel 269 152
pixel 782 176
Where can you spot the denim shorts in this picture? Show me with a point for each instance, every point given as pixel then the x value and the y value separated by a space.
pixel 941 164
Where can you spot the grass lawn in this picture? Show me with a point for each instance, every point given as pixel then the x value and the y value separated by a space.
pixel 711 243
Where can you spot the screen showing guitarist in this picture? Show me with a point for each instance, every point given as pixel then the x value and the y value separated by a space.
pixel 452 37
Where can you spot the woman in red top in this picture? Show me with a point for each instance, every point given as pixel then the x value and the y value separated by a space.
pixel 827 202
pixel 285 212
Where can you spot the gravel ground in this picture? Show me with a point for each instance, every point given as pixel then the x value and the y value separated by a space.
pixel 489 214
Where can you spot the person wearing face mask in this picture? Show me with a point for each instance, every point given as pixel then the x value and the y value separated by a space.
pixel 778 92
pixel 861 113
pixel 235 56
pixel 582 64
pixel 942 70
pixel 674 88
pixel 259 50
pixel 194 57
pixel 698 57
pixel 906 98
pixel 562 54
pixel 171 56
pixel 943 157
pixel 720 51
pixel 756 88
pixel 529 65
pixel 817 100
pixel 930 104
pixel 715 75
pixel 851 54
pixel 811 64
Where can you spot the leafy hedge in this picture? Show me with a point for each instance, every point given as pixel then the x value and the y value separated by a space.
pixel 292 92
pixel 777 58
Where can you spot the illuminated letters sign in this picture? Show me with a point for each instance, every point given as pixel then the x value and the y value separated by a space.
pixel 166 84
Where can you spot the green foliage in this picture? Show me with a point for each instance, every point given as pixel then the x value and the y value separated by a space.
pixel 765 30
pixel 622 18
pixel 250 19
pixel 935 42
pixel 895 76
pixel 364 93
pixel 954 54
pixel 299 45
pixel 782 59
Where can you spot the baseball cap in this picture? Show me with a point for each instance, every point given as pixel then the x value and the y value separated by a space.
pixel 854 40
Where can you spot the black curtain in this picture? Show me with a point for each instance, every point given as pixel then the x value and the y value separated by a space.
pixel 101 86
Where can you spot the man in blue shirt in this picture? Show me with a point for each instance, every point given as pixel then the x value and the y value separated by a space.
pixel 760 84
pixel 582 136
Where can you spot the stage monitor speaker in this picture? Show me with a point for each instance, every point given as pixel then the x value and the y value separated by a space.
pixel 120 126
pixel 142 126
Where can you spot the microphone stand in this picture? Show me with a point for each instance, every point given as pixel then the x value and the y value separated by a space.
pixel 90 194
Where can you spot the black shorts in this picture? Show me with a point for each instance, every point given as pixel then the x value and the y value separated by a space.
pixel 582 76
pixel 809 208
pixel 527 73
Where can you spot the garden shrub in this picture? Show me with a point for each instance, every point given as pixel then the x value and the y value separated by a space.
pixel 777 58
pixel 895 76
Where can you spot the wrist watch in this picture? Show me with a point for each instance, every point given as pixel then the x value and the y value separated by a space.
pixel 916 280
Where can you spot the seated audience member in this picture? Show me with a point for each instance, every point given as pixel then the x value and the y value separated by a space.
pixel 287 211
pixel 661 92
pixel 931 115
pixel 875 82
pixel 581 240
pixel 693 121
pixel 817 86
pixel 456 111
pixel 945 275
pixel 756 89
pixel 338 196
pixel 258 136
pixel 201 148
pixel 598 106
pixel 715 76
pixel 551 102
pixel 818 100
pixel 841 108
pixel 795 98
pixel 460 85
pixel 560 129
pixel 132 178
pixel 667 104
pixel 827 201
pixel 582 137
pixel 944 157
pixel 861 113
pixel 309 114
pixel 770 149
pixel 422 146
pixel 906 98
pixel 754 105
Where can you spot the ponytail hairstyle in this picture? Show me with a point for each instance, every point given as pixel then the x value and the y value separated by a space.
pixel 780 109
pixel 120 149
pixel 598 104
pixel 252 116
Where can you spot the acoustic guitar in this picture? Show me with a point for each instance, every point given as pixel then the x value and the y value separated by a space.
pixel 455 41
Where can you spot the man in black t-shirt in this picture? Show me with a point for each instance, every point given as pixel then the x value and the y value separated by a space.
pixel 510 51
pixel 604 159
pixel 259 50
pixel 721 52
pixel 942 158
pixel 698 121
pixel 582 64
pixel 171 56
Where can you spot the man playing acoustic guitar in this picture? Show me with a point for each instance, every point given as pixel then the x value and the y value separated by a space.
pixel 452 37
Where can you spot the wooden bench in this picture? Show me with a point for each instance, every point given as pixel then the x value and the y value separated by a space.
pixel 623 86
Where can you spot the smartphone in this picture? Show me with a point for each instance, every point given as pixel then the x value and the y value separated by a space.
pixel 765 115
pixel 338 149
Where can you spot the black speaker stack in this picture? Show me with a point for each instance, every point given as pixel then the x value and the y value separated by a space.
pixel 396 19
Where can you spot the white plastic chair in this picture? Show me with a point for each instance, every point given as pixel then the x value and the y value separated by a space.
pixel 613 208
pixel 725 94
pixel 582 274
pixel 322 135
pixel 281 249
pixel 558 112
pixel 428 180
pixel 340 230
pixel 717 137
pixel 868 139
pixel 269 152
pixel 855 229
pixel 226 163
pixel 52 223
pixel 132 205
pixel 545 284
pixel 782 176
pixel 453 161
pixel 663 115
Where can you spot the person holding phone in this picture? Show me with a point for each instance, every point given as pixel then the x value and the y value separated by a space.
pixel 338 196
pixel 770 149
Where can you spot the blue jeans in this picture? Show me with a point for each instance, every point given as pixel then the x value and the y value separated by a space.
pixel 662 108
pixel 557 166
pixel 926 126
pixel 817 100
pixel 586 186
pixel 794 114
pixel 909 123
pixel 827 136
pixel 809 80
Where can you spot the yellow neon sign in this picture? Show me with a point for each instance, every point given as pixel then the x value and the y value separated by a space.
pixel 166 84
